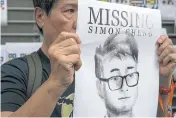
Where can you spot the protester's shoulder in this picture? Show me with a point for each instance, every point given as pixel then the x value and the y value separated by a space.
pixel 18 62
pixel 14 78
pixel 16 67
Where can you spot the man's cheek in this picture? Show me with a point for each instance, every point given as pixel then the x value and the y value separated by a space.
pixel 115 95
pixel 136 90
pixel 132 91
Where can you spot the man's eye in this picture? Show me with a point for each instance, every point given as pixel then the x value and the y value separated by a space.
pixel 116 78
pixel 131 75
pixel 70 10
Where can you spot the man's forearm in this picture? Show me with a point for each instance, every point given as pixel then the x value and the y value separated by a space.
pixel 42 102
pixel 165 82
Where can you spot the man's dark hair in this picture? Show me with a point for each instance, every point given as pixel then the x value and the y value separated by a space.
pixel 45 5
pixel 116 44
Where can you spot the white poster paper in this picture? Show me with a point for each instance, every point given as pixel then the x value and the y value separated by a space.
pixel 15 50
pixel 163 31
pixel 3 12
pixel 119 75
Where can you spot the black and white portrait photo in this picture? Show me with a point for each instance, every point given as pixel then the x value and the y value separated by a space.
pixel 117 76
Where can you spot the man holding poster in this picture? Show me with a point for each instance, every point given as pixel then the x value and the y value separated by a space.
pixel 60 57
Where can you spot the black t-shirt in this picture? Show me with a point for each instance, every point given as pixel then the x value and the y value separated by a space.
pixel 14 81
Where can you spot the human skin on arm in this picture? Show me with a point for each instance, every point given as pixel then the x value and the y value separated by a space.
pixel 167 63
pixel 65 59
pixel 61 46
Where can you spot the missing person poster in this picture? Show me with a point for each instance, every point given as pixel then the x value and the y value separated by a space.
pixel 119 76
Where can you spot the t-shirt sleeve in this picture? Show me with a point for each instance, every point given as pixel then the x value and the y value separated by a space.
pixel 13 84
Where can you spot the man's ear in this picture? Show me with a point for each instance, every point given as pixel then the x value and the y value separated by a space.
pixel 39 16
pixel 100 88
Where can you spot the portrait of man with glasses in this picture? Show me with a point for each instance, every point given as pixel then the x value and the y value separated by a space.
pixel 116 64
